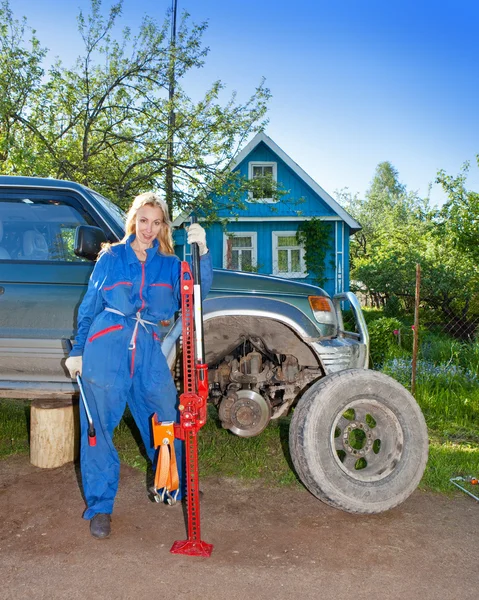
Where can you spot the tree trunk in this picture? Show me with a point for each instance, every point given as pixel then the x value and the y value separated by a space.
pixel 54 433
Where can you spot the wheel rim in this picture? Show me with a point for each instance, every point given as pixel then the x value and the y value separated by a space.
pixel 367 440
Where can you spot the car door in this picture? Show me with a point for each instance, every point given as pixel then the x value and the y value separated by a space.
pixel 41 283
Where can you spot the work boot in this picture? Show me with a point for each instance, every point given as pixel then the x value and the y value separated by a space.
pixel 100 526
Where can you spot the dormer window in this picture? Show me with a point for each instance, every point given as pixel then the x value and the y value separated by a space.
pixel 266 175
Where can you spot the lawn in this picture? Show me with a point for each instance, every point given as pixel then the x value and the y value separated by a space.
pixel 454 443
pixel 447 390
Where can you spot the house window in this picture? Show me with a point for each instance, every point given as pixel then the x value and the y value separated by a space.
pixel 239 251
pixel 288 255
pixel 266 174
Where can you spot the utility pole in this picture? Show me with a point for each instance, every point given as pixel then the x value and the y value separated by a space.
pixel 170 152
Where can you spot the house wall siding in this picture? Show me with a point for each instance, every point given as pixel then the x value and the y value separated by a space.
pixel 299 200
pixel 264 230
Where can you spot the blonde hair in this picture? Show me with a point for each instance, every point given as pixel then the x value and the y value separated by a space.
pixel 164 237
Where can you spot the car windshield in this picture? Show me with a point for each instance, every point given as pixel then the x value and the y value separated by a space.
pixel 113 210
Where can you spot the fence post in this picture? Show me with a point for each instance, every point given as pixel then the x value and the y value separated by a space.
pixel 415 345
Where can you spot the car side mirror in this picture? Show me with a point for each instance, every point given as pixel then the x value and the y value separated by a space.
pixel 88 241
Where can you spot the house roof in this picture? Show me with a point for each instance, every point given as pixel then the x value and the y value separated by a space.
pixel 301 173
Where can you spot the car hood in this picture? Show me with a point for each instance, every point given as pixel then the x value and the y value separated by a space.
pixel 235 281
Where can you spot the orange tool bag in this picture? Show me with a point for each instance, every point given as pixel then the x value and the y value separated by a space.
pixel 167 482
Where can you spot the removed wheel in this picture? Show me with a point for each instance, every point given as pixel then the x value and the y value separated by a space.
pixel 358 441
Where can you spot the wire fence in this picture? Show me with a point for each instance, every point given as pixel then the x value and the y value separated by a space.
pixel 414 337
pixel 462 327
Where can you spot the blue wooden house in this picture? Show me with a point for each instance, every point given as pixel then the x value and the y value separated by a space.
pixel 261 237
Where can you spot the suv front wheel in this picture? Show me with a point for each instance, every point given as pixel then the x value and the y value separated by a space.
pixel 358 441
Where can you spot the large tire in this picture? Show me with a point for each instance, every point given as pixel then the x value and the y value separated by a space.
pixel 358 441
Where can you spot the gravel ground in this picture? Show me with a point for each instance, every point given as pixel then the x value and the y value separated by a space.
pixel 268 543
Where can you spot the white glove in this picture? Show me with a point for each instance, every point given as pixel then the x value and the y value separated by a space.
pixel 197 235
pixel 74 365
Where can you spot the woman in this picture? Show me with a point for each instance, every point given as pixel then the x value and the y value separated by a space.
pixel 117 350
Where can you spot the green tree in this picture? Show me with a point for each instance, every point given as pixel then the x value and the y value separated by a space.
pixel 104 121
pixel 391 219
pixel 449 279
pixel 21 74
pixel 459 217
pixel 402 230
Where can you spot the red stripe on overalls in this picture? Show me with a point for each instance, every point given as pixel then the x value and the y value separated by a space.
pixel 104 332
pixel 141 308
pixel 161 285
pixel 110 287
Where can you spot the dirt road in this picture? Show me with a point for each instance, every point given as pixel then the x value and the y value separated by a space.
pixel 268 543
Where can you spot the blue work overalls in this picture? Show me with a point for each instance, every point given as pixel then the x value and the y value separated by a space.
pixel 122 358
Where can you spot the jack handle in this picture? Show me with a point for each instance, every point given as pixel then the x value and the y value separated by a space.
pixel 468 479
pixel 91 428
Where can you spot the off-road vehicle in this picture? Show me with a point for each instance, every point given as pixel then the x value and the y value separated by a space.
pixel 358 439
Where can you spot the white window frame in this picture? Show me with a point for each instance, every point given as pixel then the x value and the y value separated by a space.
pixel 290 274
pixel 254 247
pixel 250 177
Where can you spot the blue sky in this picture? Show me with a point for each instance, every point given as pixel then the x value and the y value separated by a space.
pixel 354 83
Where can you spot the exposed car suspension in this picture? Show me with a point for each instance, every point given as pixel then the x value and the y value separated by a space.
pixel 252 385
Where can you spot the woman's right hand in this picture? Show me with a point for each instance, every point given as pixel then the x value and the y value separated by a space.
pixel 197 235
pixel 74 365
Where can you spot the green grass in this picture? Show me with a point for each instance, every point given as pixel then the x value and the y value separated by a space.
pixel 14 427
pixel 447 391
pixel 449 459
pixel 221 453
pixel 265 456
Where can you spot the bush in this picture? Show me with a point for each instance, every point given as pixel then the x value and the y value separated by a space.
pixel 393 307
pixel 383 339
pixel 369 314
pixel 372 314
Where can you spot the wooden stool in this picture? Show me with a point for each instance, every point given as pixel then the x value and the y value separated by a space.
pixel 54 433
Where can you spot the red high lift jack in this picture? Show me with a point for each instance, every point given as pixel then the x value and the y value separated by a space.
pixel 193 402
